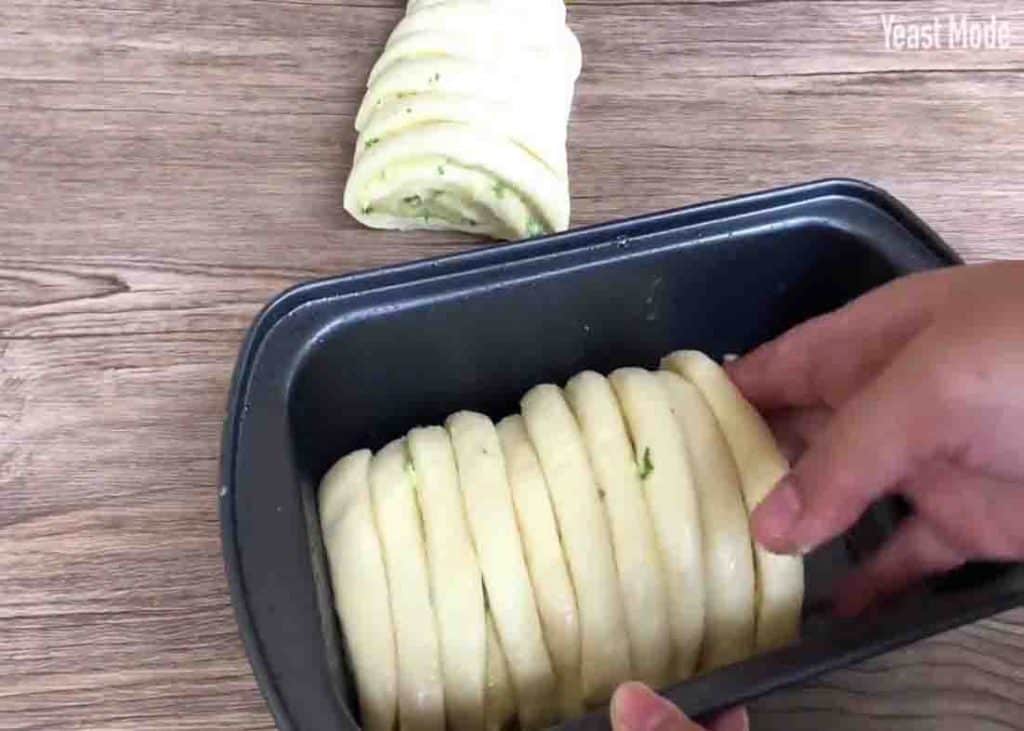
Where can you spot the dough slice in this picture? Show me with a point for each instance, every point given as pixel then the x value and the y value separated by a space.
pixel 455 579
pixel 728 559
pixel 535 134
pixel 641 575
pixel 604 648
pixel 545 559
pixel 460 76
pixel 492 521
pixel 780 579
pixel 513 174
pixel 420 688
pixel 360 586
pixel 664 467
pixel 499 698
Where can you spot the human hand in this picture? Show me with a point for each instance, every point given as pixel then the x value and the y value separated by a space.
pixel 636 708
pixel 916 388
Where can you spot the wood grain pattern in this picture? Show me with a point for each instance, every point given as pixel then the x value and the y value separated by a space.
pixel 166 166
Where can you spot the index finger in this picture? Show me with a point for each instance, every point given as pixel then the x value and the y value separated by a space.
pixel 824 360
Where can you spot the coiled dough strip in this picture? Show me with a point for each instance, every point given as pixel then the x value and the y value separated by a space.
pixel 604 647
pixel 641 575
pixel 420 687
pixel 354 553
pixel 520 124
pixel 488 500
pixel 668 484
pixel 728 559
pixel 455 580
pixel 499 697
pixel 780 579
pixel 545 558
pixel 407 77
pixel 513 174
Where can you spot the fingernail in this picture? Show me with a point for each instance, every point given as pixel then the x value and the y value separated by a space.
pixel 637 708
pixel 775 518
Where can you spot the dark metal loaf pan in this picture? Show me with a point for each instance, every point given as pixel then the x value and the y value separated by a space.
pixel 355 361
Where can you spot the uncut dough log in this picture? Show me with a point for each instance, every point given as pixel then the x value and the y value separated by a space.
pixel 780 579
pixel 354 554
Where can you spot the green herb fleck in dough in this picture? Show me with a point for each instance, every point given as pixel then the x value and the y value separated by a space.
pixel 499 189
pixel 600 493
pixel 410 471
pixel 535 227
pixel 408 110
pixel 371 142
pixel 469 221
pixel 412 200
pixel 436 77
pixel 367 208
pixel 647 467
pixel 440 169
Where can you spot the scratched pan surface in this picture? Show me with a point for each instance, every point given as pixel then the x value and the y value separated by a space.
pixel 355 361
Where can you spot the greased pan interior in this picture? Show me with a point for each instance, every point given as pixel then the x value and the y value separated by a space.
pixel 355 361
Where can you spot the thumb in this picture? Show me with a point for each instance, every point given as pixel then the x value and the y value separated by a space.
pixel 635 707
pixel 874 441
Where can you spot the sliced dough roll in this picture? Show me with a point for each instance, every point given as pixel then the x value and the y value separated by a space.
pixel 510 173
pixel 511 120
pixel 604 647
pixel 492 45
pixel 483 88
pixel 488 500
pixel 499 697
pixel 354 555
pixel 780 579
pixel 728 560
pixel 545 559
pixel 455 579
pixel 397 516
pixel 641 575
pixel 664 468
pixel 448 75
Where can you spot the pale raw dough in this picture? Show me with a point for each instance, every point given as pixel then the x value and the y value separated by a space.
pixel 397 515
pixel 463 123
pixel 492 522
pixel 780 579
pixel 514 576
pixel 604 647
pixel 672 497
pixel 455 579
pixel 354 555
pixel 499 698
pixel 641 575
pixel 549 574
pixel 728 559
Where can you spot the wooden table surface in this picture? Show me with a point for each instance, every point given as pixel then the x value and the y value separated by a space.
pixel 166 166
